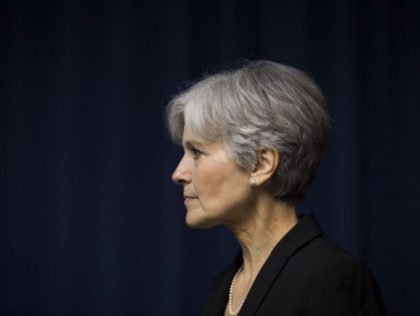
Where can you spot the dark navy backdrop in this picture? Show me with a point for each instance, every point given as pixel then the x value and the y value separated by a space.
pixel 90 222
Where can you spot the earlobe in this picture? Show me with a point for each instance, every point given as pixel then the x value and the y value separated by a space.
pixel 267 164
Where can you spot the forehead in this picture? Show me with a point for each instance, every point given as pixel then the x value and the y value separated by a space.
pixel 188 140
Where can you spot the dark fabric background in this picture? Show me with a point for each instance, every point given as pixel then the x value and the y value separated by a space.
pixel 90 222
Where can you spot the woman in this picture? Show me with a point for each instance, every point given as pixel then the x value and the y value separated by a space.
pixel 252 139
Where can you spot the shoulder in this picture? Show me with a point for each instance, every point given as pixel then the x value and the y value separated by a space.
pixel 325 256
pixel 323 263
pixel 338 282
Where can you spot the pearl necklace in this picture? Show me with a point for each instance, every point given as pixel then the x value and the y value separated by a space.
pixel 230 303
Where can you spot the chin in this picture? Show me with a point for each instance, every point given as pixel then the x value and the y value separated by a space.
pixel 200 225
pixel 199 222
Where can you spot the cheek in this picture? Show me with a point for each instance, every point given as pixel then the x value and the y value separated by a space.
pixel 217 185
pixel 208 181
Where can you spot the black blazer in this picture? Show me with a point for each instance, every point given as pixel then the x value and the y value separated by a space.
pixel 305 274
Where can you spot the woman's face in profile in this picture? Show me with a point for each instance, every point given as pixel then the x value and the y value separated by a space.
pixel 216 190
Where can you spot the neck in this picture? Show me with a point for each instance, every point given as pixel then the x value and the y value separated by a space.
pixel 270 221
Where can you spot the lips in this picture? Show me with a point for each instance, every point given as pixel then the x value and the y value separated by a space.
pixel 189 198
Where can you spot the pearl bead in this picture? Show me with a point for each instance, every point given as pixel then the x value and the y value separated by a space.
pixel 230 303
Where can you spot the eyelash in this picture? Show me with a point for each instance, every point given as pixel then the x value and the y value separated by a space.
pixel 195 153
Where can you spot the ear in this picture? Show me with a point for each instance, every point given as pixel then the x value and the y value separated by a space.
pixel 267 163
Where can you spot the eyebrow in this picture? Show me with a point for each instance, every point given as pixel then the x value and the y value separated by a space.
pixel 193 143
pixel 190 144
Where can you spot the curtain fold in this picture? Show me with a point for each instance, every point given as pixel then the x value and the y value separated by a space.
pixel 90 223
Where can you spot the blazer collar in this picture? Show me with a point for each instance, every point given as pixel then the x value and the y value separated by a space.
pixel 306 230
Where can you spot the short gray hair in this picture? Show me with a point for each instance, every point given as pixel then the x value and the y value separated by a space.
pixel 262 104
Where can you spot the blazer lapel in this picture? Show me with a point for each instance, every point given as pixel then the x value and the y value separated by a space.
pixel 304 232
pixel 262 285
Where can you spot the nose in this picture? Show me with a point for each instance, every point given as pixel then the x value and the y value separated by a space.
pixel 181 175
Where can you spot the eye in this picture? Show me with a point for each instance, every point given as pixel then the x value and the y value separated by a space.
pixel 196 153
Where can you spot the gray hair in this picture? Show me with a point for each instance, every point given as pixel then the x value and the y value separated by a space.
pixel 260 105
